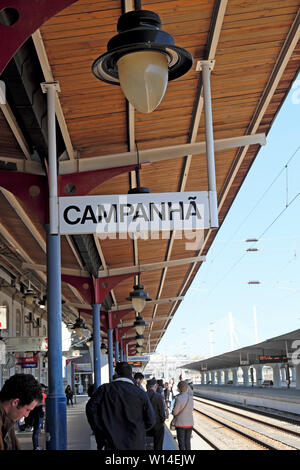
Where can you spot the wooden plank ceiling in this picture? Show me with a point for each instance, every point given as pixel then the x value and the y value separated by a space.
pixel 256 51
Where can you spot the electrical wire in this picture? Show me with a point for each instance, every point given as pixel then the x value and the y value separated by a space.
pixel 288 204
pixel 260 199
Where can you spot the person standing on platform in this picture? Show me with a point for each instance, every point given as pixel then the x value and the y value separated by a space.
pixel 167 398
pixel 139 377
pixel 119 413
pixel 157 401
pixel 19 395
pixel 69 395
pixel 183 412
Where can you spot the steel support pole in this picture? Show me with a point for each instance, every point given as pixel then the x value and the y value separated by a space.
pixel 110 353
pixel 121 355
pixel 117 351
pixel 56 418
pixel 206 67
pixel 96 344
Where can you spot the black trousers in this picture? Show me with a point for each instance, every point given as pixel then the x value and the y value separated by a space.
pixel 158 436
pixel 184 438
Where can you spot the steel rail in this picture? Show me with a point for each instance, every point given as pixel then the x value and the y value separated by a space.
pixel 238 431
pixel 256 420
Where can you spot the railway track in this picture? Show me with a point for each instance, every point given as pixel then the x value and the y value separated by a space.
pixel 259 437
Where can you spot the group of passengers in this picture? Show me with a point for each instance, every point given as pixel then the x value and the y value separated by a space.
pixel 122 414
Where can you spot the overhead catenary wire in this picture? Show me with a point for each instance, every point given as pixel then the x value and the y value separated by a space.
pixel 285 167
pixel 287 205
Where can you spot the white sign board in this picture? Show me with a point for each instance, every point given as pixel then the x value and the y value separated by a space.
pixel 23 344
pixel 138 358
pixel 134 213
pixel 3 317
pixel 2 352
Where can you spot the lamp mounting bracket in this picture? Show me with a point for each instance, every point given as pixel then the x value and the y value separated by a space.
pixel 201 63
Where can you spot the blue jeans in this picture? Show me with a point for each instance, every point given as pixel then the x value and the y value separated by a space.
pixel 184 438
pixel 36 431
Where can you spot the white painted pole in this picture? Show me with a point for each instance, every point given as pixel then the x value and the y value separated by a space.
pixel 206 67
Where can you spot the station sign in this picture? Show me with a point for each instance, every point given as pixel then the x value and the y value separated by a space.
pixel 264 359
pixel 134 213
pixel 26 344
pixel 28 362
pixel 138 358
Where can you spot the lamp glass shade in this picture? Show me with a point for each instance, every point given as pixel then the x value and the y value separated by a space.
pixel 138 303
pixel 29 299
pixel 140 329
pixel 143 78
pixel 79 333
pixel 140 341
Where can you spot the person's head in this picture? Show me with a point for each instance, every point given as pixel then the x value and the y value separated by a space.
pixel 160 382
pixel 182 386
pixel 19 395
pixel 138 377
pixel 91 389
pixel 123 369
pixel 151 384
pixel 166 385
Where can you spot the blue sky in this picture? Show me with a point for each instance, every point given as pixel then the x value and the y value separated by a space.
pixel 267 207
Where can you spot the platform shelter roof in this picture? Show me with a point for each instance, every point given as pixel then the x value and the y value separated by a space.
pixel 255 46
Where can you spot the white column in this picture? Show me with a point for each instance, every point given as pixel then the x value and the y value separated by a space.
pixel 297 370
pixel 225 376
pixel 293 374
pixel 259 378
pixel 213 377
pixel 283 372
pixel 219 378
pixel 207 377
pixel 234 376
pixel 245 370
pixel 276 375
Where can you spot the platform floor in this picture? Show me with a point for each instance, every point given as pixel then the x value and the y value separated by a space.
pixel 79 435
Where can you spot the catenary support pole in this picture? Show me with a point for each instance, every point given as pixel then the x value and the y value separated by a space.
pixel 96 344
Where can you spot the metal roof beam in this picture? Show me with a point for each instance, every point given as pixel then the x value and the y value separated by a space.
pixel 156 154
pixel 151 302
pixel 149 267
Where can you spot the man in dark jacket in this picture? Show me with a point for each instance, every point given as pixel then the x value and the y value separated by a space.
pixel 157 401
pixel 119 413
pixel 19 395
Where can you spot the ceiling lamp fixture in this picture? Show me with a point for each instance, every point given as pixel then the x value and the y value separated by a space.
pixel 140 339
pixel 42 302
pixel 139 325
pixel 90 341
pixel 142 58
pixel 138 297
pixel 29 295
pixel 79 327
pixel 103 348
